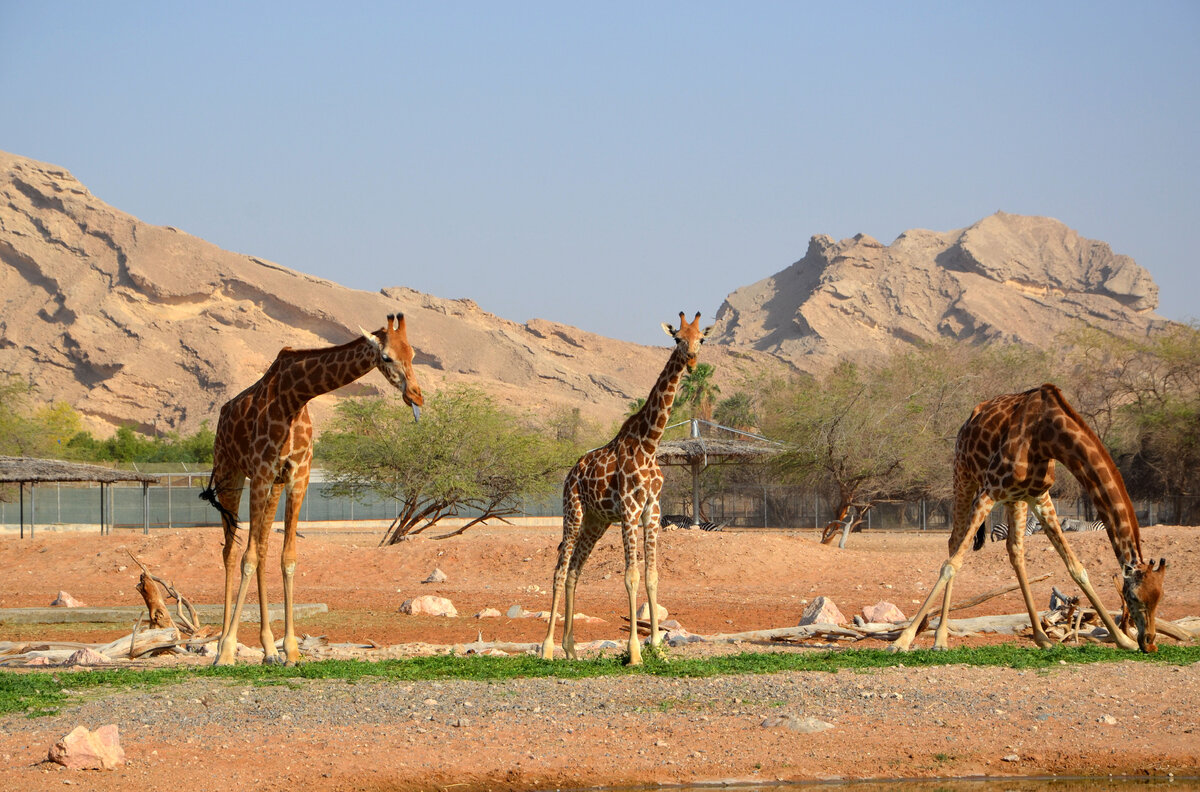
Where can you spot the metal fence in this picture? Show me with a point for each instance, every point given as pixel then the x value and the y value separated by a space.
pixel 175 503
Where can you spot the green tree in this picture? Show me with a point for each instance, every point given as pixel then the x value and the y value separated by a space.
pixel 697 392
pixel 737 412
pixel 465 455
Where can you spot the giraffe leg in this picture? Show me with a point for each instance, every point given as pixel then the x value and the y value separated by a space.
pixel 265 636
pixel 967 514
pixel 629 540
pixel 287 561
pixel 1016 557
pixel 592 531
pixel 572 519
pixel 650 519
pixel 227 648
pixel 1044 508
pixel 230 494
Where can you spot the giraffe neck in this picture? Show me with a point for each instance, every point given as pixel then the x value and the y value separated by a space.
pixel 1089 461
pixel 304 374
pixel 648 424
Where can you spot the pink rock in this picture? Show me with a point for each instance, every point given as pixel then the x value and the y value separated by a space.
pixel 488 613
pixel 65 600
pixel 428 603
pixel 87 657
pixel 39 661
pixel 883 612
pixel 89 750
pixel 822 611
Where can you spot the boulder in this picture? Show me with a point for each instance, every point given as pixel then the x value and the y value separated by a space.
pixel 429 604
pixel 89 750
pixel 488 613
pixel 643 612
pixel 883 612
pixel 822 611
pixel 65 600
pixel 87 657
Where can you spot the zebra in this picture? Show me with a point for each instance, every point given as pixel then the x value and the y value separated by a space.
pixel 675 521
pixel 1000 531
pixel 1071 524
pixel 711 526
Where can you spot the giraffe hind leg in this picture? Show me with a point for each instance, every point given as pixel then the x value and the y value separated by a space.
pixel 572 520
pixel 592 530
pixel 1015 544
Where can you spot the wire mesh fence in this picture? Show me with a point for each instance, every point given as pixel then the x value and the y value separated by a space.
pixel 174 502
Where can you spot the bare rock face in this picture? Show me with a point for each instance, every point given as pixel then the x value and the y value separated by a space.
pixel 136 324
pixel 1007 278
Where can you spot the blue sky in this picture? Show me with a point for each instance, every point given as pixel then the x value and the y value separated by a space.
pixel 608 165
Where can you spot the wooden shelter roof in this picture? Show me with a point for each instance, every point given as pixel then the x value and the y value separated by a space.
pixel 38 471
pixel 713 450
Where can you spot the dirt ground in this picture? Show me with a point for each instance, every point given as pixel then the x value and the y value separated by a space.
pixel 905 722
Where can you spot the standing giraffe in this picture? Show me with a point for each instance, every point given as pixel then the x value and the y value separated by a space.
pixel 1005 454
pixel 265 434
pixel 620 482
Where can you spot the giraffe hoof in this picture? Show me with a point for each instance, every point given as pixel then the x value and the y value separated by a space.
pixel 272 660
pixel 894 648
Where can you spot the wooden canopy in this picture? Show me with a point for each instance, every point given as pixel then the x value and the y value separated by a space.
pixel 27 470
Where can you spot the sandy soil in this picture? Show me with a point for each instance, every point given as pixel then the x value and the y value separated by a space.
pixel 945 722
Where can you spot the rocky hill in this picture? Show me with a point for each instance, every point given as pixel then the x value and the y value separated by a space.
pixel 145 325
pixel 1007 278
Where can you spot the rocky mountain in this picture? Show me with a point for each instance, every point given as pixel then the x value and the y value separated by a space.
pixel 1008 278
pixel 145 325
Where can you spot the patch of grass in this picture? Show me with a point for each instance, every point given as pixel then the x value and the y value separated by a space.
pixel 41 692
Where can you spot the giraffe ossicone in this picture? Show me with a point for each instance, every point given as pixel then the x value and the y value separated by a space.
pixel 1005 453
pixel 264 435
pixel 621 482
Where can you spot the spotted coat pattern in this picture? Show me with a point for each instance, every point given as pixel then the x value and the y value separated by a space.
pixel 264 434
pixel 620 483
pixel 1005 453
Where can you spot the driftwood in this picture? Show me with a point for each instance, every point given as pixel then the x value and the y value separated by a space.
pixel 160 616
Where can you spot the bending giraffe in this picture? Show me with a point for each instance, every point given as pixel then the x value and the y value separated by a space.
pixel 1005 454
pixel 620 482
pixel 264 434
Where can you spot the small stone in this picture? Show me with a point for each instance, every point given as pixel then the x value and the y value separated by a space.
pixel 488 613
pixel 516 612
pixel 429 604
pixel 643 612
pixel 1107 720
pixel 802 725
pixel 89 750
pixel 65 600
pixel 822 611
pixel 87 657
pixel 1010 758
pixel 436 576
pixel 883 612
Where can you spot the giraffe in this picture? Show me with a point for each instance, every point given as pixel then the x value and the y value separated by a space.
pixel 1005 453
pixel 265 434
pixel 620 482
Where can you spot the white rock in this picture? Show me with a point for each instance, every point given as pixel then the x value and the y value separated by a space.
pixel 436 576
pixel 429 604
pixel 822 611
pixel 643 612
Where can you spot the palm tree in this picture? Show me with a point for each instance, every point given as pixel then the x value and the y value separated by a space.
pixel 698 391
pixel 635 405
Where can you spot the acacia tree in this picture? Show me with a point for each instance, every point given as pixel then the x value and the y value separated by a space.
pixel 465 455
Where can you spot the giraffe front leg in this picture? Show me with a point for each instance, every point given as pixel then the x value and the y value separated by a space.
pixel 1044 508
pixel 629 538
pixel 227 647
pixel 651 553
pixel 1016 557
pixel 261 528
pixel 287 563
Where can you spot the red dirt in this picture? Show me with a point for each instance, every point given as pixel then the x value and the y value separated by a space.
pixel 710 582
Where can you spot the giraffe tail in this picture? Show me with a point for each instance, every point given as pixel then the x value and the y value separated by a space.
pixel 980 534
pixel 209 494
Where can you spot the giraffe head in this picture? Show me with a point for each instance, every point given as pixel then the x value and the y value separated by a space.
pixel 1141 588
pixel 395 358
pixel 688 337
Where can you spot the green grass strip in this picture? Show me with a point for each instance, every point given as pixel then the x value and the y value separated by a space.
pixel 40 692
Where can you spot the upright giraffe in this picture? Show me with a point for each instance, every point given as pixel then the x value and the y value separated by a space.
pixel 1005 454
pixel 265 434
pixel 620 482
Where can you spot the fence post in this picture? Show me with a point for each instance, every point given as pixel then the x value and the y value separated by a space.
pixel 146 508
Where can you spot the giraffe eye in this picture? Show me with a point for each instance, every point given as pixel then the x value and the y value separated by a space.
pixel 385 357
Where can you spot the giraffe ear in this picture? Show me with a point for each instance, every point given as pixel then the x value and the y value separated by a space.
pixel 668 329
pixel 372 339
pixel 704 333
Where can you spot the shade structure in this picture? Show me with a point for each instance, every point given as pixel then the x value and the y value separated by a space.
pixel 698 452
pixel 33 471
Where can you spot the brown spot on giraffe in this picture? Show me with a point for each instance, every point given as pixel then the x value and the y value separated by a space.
pixel 1021 435
pixel 620 482
pixel 264 434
